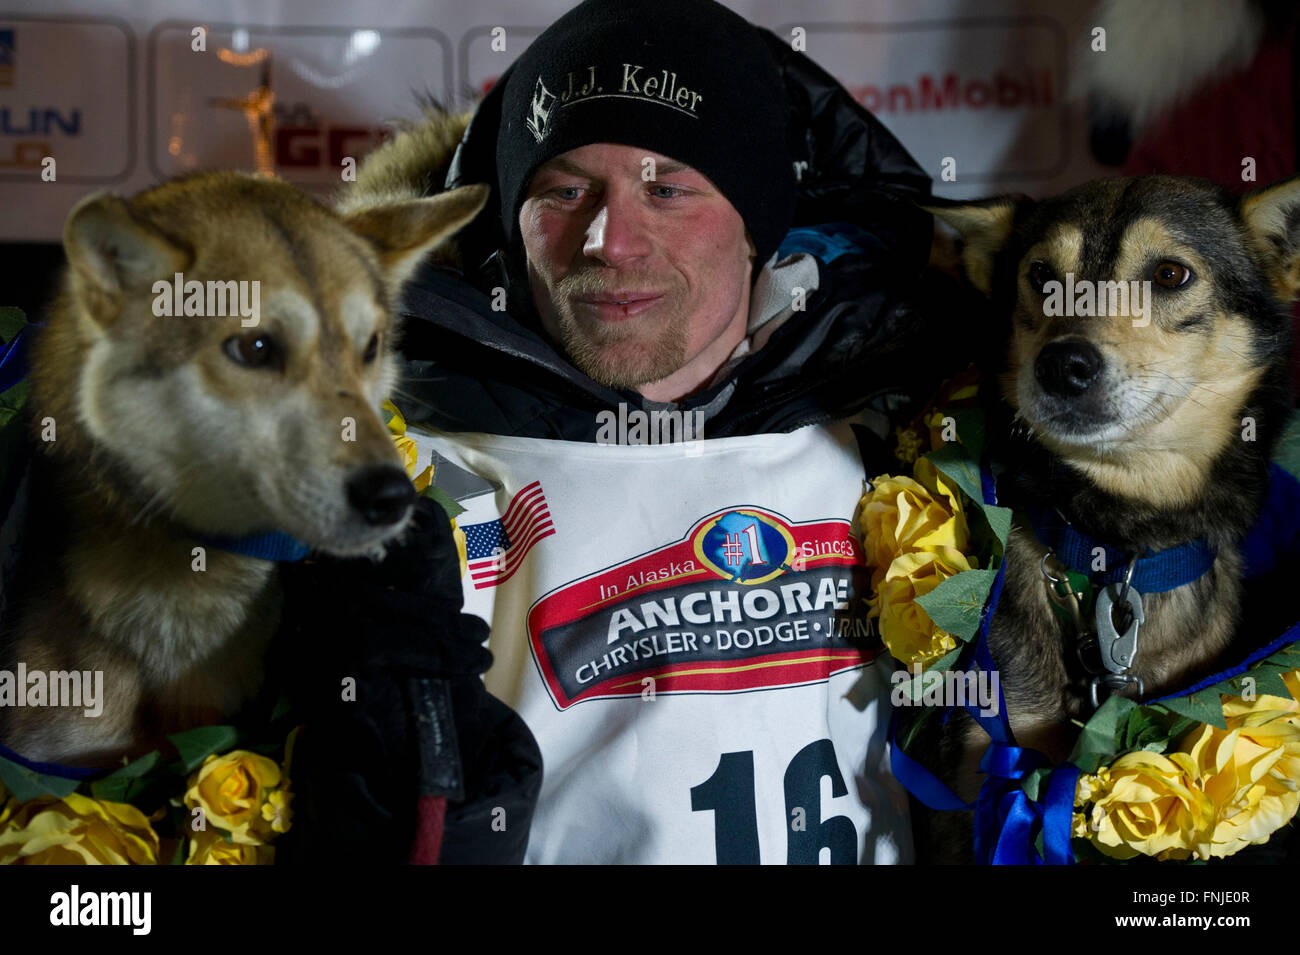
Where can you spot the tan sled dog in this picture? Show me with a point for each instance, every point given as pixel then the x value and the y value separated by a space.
pixel 1146 373
pixel 212 368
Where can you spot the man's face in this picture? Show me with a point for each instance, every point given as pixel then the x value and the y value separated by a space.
pixel 596 232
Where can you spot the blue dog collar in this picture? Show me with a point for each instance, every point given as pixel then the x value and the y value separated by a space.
pixel 1156 571
pixel 274 545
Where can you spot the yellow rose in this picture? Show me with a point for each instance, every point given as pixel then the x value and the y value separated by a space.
pixel 1250 772
pixel 208 848
pixel 406 447
pixel 900 515
pixel 410 453
pixel 1146 804
pixel 905 628
pixel 1238 711
pixel 276 810
pixel 909 445
pixel 955 533
pixel 934 421
pixel 423 479
pixel 75 830
pixel 231 789
pixel 396 423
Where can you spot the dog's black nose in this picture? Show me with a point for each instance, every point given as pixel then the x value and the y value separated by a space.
pixel 1067 369
pixel 382 494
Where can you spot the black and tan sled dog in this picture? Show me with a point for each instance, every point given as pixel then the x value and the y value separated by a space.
pixel 1142 391
pixel 166 417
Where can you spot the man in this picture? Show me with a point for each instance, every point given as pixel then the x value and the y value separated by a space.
pixel 660 439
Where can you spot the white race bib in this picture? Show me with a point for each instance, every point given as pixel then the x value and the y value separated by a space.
pixel 682 628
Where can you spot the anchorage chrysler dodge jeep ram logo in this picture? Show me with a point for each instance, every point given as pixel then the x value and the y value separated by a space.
pixel 745 601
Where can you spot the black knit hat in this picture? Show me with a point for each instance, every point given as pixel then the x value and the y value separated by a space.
pixel 688 79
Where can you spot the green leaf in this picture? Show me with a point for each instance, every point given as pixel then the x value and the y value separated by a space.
pixel 196 745
pixel 999 519
pixel 281 709
pixel 1032 783
pixel 178 858
pixel 1202 707
pixel 126 784
pixel 1143 729
pixel 449 505
pixel 11 322
pixel 914 686
pixel 945 661
pixel 957 464
pixel 1085 851
pixel 1098 736
pixel 28 784
pixel 12 401
pixel 957 603
pixel 121 790
pixel 913 727
pixel 1268 679
pixel 138 768
pixel 970 429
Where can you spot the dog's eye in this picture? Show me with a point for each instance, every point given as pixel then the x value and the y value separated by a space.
pixel 258 350
pixel 1171 275
pixel 1040 273
pixel 372 349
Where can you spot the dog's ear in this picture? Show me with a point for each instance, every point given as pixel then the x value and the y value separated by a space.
pixel 1272 215
pixel 984 226
pixel 404 231
pixel 113 250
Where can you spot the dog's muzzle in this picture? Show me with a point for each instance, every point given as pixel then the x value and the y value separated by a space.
pixel 1067 369
pixel 382 495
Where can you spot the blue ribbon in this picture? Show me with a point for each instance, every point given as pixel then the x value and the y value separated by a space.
pixel 1007 822
pixel 13 357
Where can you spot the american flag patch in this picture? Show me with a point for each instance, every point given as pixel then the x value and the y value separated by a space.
pixel 495 549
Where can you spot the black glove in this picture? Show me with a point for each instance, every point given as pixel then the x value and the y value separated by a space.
pixel 415 720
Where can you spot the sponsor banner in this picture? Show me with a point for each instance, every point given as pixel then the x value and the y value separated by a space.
pixel 44 107
pixel 996 110
pixel 295 102
pixel 744 601
pixel 116 91
pixel 486 52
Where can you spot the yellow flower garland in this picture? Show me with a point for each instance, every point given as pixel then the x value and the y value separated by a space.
pixel 1217 792
pixel 915 536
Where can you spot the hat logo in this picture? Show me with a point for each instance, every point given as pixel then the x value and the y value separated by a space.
pixel 543 99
